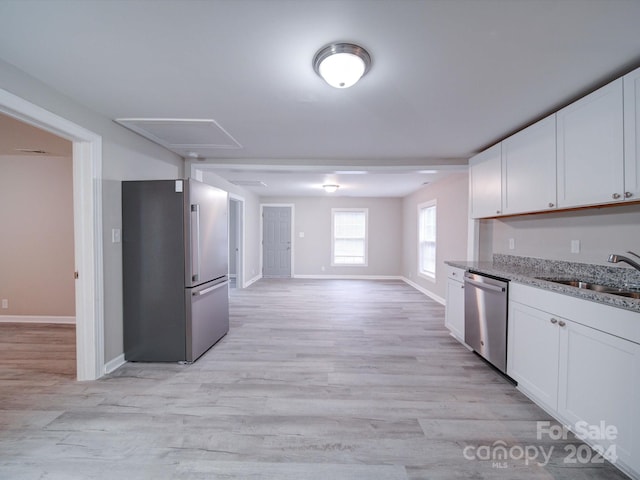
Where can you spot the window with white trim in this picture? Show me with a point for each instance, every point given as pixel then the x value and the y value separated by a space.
pixel 427 239
pixel 349 236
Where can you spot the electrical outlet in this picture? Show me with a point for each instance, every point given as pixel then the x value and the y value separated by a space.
pixel 512 244
pixel 322 268
pixel 115 235
pixel 5 303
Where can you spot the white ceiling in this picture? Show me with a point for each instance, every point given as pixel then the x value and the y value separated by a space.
pixel 448 78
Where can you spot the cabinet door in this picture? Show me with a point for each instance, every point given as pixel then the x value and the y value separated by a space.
pixel 454 313
pixel 600 382
pixel 632 135
pixel 533 352
pixel 485 170
pixel 590 149
pixel 529 168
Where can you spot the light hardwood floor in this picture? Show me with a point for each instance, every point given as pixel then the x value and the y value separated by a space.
pixel 320 379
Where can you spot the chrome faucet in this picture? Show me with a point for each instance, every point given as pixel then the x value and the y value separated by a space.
pixel 615 258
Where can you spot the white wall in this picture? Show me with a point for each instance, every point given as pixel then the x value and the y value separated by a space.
pixel 313 217
pixel 125 156
pixel 36 244
pixel 601 231
pixel 452 197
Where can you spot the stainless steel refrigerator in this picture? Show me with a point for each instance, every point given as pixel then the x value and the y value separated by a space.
pixel 175 269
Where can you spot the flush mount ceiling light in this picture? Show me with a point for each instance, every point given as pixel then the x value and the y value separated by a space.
pixel 341 65
pixel 330 188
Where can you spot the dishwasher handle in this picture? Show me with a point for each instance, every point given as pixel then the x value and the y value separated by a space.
pixel 485 286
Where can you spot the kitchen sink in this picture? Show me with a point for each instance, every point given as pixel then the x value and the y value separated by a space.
pixel 623 292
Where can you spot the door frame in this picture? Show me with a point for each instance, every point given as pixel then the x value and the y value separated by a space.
pixel 239 237
pixel 291 207
pixel 87 227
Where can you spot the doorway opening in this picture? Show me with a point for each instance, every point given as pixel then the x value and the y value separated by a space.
pixel 38 288
pixel 236 241
pixel 87 221
pixel 277 240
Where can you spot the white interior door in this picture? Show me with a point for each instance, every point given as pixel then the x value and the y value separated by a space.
pixel 276 242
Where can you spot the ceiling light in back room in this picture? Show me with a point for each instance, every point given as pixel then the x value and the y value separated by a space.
pixel 330 188
pixel 341 65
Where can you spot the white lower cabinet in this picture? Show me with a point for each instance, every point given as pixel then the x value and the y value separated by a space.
pixel 534 351
pixel 599 382
pixel 454 313
pixel 587 378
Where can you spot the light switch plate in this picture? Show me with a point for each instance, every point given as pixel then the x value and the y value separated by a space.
pixel 575 246
pixel 301 234
pixel 115 235
pixel 512 244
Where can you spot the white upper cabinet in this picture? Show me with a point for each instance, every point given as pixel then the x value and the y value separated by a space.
pixel 590 149
pixel 529 169
pixel 586 154
pixel 632 135
pixel 485 183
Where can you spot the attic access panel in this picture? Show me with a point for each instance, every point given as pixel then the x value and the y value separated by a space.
pixel 182 136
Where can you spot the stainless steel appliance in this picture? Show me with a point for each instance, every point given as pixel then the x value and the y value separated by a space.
pixel 175 269
pixel 485 317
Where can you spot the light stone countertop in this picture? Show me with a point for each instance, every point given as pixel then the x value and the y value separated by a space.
pixel 526 270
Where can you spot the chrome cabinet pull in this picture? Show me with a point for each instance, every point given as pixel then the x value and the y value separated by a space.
pixel 628 194
pixel 554 320
pixel 561 323
pixel 615 196
pixel 551 205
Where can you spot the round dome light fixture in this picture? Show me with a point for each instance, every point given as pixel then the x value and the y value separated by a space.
pixel 341 65
pixel 330 188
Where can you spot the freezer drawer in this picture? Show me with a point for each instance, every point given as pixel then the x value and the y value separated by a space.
pixel 207 316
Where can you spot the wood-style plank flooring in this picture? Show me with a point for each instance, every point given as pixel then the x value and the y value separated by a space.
pixel 37 350
pixel 317 379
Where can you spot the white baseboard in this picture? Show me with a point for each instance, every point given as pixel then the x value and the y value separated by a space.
pixel 37 319
pixel 252 281
pixel 114 364
pixel 349 277
pixel 429 294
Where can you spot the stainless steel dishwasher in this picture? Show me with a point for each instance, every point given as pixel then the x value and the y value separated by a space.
pixel 485 317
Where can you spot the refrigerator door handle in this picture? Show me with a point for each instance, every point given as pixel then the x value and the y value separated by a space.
pixel 210 289
pixel 195 242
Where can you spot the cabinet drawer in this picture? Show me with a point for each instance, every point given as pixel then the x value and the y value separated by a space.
pixel 455 273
